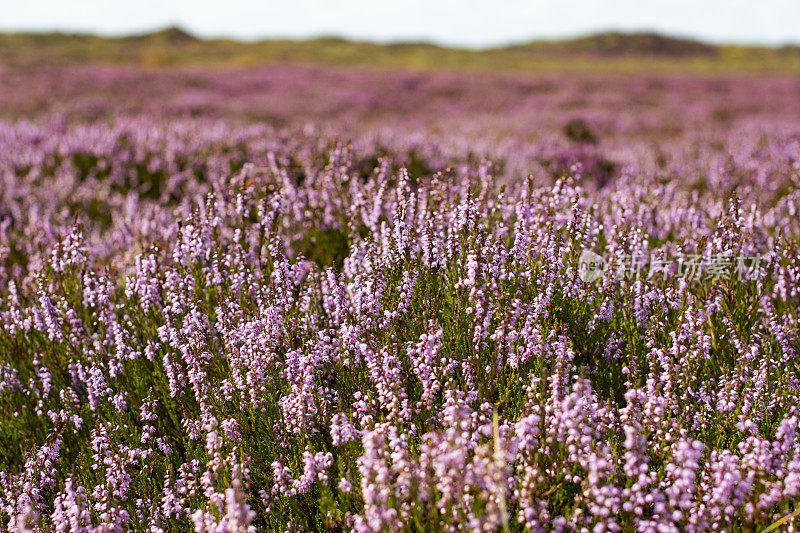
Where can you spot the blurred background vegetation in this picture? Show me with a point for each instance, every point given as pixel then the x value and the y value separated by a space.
pixel 607 52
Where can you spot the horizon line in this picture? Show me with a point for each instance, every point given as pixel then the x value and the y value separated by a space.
pixel 421 40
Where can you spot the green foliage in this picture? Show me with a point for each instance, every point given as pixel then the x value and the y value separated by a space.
pixel 611 52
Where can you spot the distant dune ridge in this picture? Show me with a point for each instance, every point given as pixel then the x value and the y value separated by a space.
pixel 605 51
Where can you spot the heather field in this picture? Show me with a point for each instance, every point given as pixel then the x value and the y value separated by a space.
pixel 306 298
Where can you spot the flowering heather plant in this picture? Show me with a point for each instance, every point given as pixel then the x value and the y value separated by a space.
pixel 214 326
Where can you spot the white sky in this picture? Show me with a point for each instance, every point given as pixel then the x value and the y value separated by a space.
pixel 470 23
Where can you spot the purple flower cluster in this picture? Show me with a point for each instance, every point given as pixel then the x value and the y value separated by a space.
pixel 213 325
